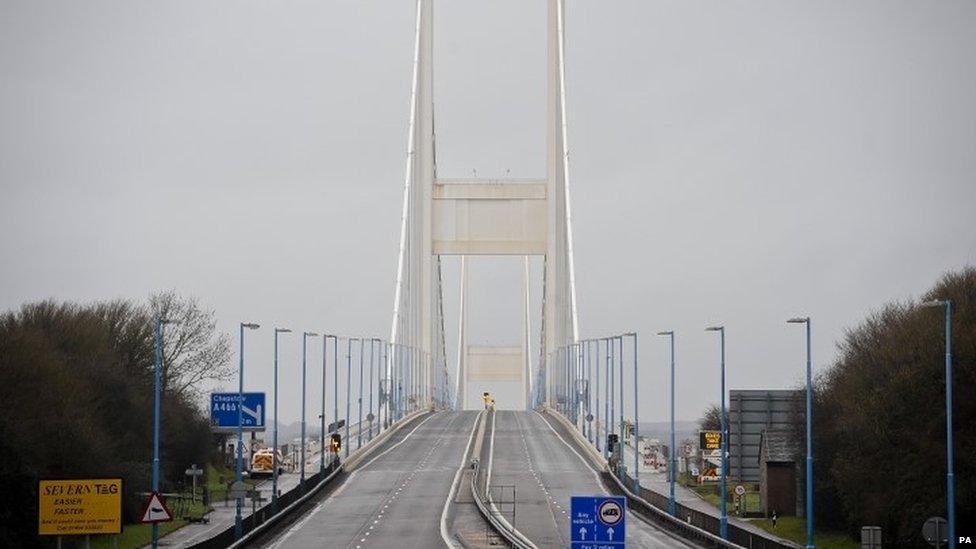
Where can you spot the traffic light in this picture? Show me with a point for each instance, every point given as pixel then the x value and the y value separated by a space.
pixel 612 439
pixel 335 443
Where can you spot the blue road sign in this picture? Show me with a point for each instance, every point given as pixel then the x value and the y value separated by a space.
pixel 598 522
pixel 223 411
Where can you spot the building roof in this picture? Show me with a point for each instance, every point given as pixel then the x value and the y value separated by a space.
pixel 778 445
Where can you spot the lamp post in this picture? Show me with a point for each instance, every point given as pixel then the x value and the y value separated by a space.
pixel 359 427
pixel 274 435
pixel 238 525
pixel 607 411
pixel 335 380
pixel 388 372
pixel 589 380
pixel 950 482
pixel 569 385
pixel 402 381
pixel 370 417
pixel 578 415
pixel 325 353
pixel 596 437
pixel 612 418
pixel 348 383
pixel 724 520
pixel 395 380
pixel 672 462
pixel 809 474
pixel 636 423
pixel 157 414
pixel 305 336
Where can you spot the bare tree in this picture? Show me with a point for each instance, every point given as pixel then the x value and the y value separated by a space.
pixel 711 420
pixel 193 350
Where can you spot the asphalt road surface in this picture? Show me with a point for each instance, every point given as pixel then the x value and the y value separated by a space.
pixel 546 472
pixel 396 497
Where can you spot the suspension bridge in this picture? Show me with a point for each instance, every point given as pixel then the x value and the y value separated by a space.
pixel 436 465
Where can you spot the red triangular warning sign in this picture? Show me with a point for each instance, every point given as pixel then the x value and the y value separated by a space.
pixel 156 510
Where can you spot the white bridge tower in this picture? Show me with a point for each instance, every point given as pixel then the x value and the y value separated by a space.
pixel 465 217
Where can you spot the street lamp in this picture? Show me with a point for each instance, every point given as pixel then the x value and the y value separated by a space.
pixel 620 359
pixel 335 379
pixel 157 413
pixel 274 436
pixel 596 437
pixel 325 354
pixel 395 380
pixel 359 427
pixel 305 336
pixel 607 393
pixel 370 416
pixel 724 520
pixel 611 385
pixel 672 462
pixel 950 488
pixel 238 525
pixel 809 488
pixel 636 423
pixel 578 416
pixel 348 383
pixel 589 379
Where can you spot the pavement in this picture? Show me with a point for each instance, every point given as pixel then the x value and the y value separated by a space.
pixel 396 497
pixel 545 471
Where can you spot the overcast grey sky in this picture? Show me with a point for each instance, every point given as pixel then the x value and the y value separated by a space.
pixel 731 162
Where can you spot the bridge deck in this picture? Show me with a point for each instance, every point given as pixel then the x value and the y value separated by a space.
pixel 547 473
pixel 396 499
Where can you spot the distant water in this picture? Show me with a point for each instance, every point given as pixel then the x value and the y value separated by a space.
pixel 662 430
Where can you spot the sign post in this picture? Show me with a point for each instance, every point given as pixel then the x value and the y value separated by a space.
pixel 598 522
pixel 194 472
pixel 73 507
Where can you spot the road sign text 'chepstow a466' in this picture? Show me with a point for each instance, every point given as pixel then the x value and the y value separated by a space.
pixel 224 413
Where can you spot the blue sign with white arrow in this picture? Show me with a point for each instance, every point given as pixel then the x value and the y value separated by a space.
pixel 224 414
pixel 598 522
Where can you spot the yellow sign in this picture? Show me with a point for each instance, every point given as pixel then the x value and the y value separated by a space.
pixel 710 440
pixel 79 507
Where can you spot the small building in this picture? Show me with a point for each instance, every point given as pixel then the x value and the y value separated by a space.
pixel 780 474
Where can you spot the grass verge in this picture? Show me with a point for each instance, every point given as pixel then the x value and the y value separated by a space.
pixel 795 530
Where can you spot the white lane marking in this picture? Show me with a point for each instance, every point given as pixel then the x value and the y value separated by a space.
pixel 454 486
pixel 298 526
pixel 571 449
pixel 384 452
